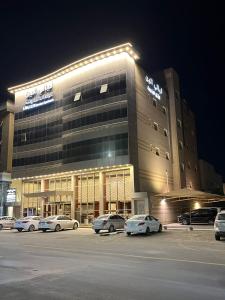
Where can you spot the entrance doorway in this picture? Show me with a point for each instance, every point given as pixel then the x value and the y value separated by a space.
pixel 51 209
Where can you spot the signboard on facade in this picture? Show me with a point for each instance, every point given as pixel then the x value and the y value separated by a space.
pixel 153 87
pixel 39 96
pixel 11 196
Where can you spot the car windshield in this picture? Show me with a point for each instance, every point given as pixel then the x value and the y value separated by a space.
pixel 221 217
pixel 104 217
pixel 140 217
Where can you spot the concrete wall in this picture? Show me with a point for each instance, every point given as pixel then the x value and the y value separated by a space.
pixel 211 181
pixel 155 171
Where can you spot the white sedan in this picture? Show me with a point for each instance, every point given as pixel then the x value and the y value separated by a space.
pixel 142 224
pixel 27 223
pixel 58 223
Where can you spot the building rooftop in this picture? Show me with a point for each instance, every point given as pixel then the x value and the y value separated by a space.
pixel 122 48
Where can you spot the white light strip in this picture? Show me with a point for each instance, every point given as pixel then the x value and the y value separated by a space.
pixel 75 172
pixel 126 48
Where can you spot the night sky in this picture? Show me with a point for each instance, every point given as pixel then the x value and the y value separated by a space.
pixel 38 38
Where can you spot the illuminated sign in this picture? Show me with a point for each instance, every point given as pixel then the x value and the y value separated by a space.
pixel 11 195
pixel 153 88
pixel 39 96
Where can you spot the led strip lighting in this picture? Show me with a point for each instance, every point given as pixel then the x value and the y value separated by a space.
pixel 124 48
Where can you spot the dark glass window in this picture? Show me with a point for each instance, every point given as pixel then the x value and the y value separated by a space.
pixel 38 134
pixel 92 119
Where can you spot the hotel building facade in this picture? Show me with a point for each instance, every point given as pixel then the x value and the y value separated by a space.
pixel 100 136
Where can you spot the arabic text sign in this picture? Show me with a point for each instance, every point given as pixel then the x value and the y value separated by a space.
pixel 153 88
pixel 11 195
pixel 39 96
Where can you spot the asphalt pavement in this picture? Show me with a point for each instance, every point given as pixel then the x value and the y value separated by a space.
pixel 79 264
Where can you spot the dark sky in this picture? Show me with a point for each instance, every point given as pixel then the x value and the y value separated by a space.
pixel 189 36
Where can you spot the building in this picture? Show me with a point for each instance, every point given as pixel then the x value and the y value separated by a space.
pixel 211 181
pixel 101 135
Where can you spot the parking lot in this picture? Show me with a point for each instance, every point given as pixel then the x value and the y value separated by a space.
pixel 174 264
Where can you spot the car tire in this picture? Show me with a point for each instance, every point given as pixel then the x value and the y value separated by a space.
pixel 31 228
pixel 128 233
pixel 147 232
pixel 20 229
pixel 1 226
pixel 44 230
pixel 185 222
pixel 97 231
pixel 111 229
pixel 75 226
pixel 160 228
pixel 217 237
pixel 57 228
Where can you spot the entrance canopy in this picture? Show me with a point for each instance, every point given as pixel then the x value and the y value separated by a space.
pixel 48 194
pixel 189 194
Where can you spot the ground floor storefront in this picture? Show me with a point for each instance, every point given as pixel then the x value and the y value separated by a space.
pixel 83 195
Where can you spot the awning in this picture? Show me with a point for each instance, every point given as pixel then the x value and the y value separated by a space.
pixel 48 194
pixel 189 194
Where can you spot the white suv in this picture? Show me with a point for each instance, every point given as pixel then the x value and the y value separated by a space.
pixel 219 225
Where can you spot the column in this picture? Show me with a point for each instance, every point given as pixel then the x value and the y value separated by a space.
pixel 101 193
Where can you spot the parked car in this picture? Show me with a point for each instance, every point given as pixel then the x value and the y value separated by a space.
pixel 219 225
pixel 142 224
pixel 7 222
pixel 58 223
pixel 201 215
pixel 27 223
pixel 110 222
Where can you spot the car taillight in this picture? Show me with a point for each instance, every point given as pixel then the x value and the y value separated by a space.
pixel 142 223
pixel 25 221
pixel 49 222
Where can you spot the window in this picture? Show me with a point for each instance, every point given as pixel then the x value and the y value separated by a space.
pixel 77 96
pixel 165 132
pixel 179 124
pixel 154 102
pixel 23 137
pixel 167 156
pixel 182 166
pixel 157 151
pixel 156 126
pixel 104 88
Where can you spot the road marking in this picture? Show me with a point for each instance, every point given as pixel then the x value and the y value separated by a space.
pixel 129 255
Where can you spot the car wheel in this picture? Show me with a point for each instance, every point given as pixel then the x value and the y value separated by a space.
pixel 20 229
pixel 31 228
pixel 211 222
pixel 44 230
pixel 97 230
pixel 1 226
pixel 147 231
pixel 57 228
pixel 160 228
pixel 111 228
pixel 128 233
pixel 185 222
pixel 217 237
pixel 75 226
